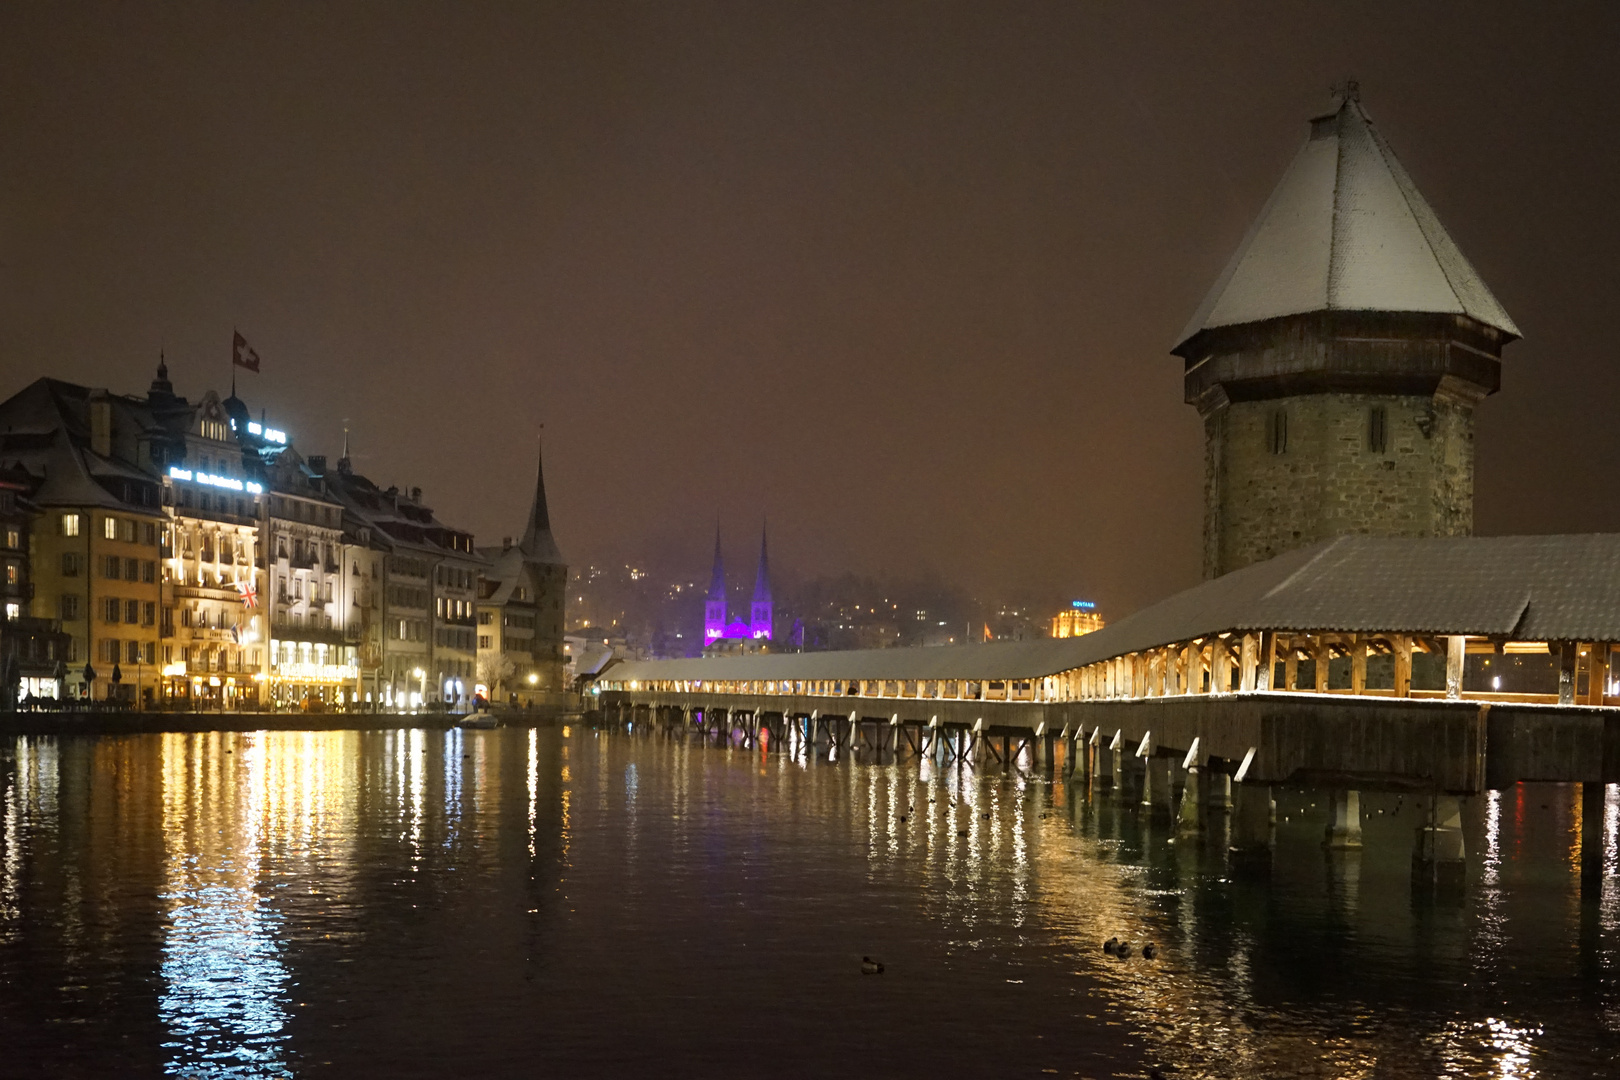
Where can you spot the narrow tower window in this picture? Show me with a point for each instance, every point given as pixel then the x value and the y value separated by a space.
pixel 1277 431
pixel 1377 429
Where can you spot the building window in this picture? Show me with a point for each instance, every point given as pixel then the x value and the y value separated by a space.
pixel 1277 431
pixel 149 572
pixel 13 538
pixel 13 573
pixel 70 564
pixel 112 609
pixel 111 567
pixel 70 524
pixel 1377 429
pixel 132 652
pixel 149 534
pixel 132 569
pixel 149 614
pixel 126 531
pixel 109 528
pixel 185 616
pixel 132 611
pixel 70 606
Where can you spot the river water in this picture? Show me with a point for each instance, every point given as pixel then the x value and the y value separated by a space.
pixel 569 902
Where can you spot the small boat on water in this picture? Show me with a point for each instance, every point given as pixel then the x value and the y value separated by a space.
pixel 480 720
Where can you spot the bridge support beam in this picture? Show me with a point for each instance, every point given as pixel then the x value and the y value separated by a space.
pixel 1438 858
pixel 1593 804
pixel 1251 820
pixel 1156 786
pixel 1344 820
pixel 1190 817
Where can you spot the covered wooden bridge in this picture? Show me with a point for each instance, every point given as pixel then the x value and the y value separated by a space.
pixel 1448 664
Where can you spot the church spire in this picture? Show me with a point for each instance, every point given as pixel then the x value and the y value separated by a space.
pixel 717 579
pixel 761 614
pixel 714 608
pixel 538 543
pixel 762 580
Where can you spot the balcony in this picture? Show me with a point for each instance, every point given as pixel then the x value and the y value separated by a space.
pixel 316 635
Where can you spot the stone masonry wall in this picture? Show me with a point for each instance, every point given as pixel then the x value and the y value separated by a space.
pixel 1330 481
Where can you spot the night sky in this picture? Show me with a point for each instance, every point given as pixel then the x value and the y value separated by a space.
pixel 903 277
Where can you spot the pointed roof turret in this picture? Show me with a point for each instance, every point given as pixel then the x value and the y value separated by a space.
pixel 161 386
pixel 1346 230
pixel 717 580
pixel 538 544
pixel 762 580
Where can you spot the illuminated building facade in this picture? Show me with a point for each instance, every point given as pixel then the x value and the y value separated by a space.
pixel 1080 617
pixel 422 601
pixel 33 650
pixel 162 551
pixel 314 636
pixel 88 456
pixel 213 647
pixel 520 611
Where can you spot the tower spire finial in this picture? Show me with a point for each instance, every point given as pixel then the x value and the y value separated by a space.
pixel 538 543
pixel 762 613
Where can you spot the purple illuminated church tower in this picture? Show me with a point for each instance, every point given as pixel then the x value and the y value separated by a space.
pixel 714 608
pixel 759 615
pixel 716 626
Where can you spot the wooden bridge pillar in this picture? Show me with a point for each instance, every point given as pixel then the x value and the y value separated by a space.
pixel 1156 789
pixel 1438 857
pixel 1593 804
pixel 1190 818
pixel 1344 820
pixel 1251 819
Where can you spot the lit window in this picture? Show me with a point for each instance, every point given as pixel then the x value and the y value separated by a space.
pixel 70 524
pixel 109 528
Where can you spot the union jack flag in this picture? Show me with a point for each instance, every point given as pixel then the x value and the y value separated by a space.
pixel 250 595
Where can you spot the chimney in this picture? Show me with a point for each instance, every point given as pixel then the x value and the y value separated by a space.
pixel 100 423
pixel 317 464
pixel 416 494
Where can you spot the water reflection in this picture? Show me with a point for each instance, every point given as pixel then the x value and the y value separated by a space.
pixel 413 903
pixel 240 816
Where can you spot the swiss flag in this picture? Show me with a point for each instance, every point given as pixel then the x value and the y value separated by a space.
pixel 242 354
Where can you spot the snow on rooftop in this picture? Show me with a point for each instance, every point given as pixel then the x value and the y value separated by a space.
pixel 1346 230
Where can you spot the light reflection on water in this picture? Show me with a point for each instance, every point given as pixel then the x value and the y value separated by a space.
pixel 382 903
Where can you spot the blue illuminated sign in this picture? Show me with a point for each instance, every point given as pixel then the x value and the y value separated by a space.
pixel 1086 604
pixel 229 483
pixel 270 434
